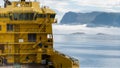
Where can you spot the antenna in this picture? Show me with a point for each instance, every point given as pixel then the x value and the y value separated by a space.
pixel 7 2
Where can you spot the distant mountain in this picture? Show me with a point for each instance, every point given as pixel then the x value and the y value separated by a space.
pixel 101 34
pixel 78 33
pixel 92 19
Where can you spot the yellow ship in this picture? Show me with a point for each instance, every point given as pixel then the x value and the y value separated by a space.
pixel 26 38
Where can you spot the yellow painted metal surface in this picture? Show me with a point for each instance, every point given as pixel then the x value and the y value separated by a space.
pixel 26 36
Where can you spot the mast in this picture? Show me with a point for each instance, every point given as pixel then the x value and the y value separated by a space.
pixel 6 2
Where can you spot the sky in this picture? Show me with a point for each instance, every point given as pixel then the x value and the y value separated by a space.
pixel 63 6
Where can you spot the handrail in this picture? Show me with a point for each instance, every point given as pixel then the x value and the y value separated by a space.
pixel 24 42
pixel 27 30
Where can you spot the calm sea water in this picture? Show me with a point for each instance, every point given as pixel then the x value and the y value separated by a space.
pixel 93 51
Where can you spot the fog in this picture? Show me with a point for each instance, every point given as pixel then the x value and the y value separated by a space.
pixel 68 29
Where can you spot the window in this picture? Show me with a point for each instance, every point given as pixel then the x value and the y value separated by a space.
pixel 41 15
pixel 23 16
pixel 0 28
pixel 52 16
pixel 9 27
pixel 31 37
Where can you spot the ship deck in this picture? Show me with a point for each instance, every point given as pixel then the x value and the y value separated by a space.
pixel 23 66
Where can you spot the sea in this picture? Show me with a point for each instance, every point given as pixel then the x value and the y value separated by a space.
pixel 92 50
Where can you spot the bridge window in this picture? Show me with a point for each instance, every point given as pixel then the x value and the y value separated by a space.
pixel 52 16
pixel 9 27
pixel 23 16
pixel 41 15
pixel 31 37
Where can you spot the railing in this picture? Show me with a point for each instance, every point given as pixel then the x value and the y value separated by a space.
pixel 27 30
pixel 15 42
pixel 21 42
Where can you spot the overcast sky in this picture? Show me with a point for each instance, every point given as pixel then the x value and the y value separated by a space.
pixel 62 6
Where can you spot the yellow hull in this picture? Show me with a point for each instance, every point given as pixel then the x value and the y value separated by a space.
pixel 58 59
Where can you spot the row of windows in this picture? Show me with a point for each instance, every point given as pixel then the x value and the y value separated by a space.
pixel 26 16
pixel 44 15
pixel 4 16
pixel 23 16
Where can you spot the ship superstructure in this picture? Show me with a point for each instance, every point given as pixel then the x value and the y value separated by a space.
pixel 26 36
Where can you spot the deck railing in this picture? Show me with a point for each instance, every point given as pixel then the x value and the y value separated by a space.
pixel 27 30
